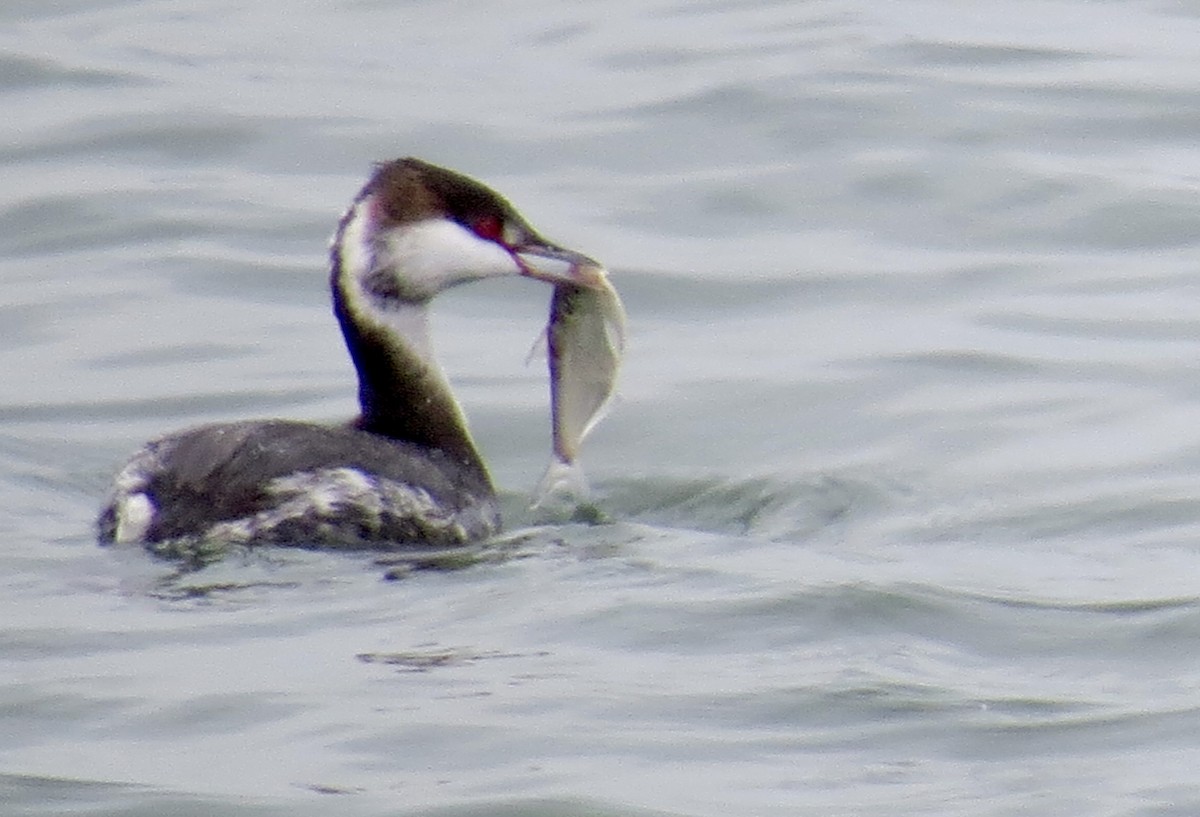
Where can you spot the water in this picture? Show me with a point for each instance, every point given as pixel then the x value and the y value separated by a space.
pixel 903 480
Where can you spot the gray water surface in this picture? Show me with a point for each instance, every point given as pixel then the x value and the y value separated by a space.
pixel 903 486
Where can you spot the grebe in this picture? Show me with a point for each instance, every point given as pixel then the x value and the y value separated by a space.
pixel 406 471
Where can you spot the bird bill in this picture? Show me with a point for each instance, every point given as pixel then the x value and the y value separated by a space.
pixel 585 340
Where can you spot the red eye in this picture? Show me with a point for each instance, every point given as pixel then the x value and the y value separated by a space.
pixel 489 227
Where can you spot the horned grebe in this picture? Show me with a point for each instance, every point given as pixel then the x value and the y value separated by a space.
pixel 406 471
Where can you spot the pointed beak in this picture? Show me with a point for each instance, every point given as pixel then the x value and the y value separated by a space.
pixel 555 265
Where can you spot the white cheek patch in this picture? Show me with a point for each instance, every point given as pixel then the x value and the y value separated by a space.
pixel 416 260
pixel 429 256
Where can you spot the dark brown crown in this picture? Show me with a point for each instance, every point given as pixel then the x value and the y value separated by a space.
pixel 411 190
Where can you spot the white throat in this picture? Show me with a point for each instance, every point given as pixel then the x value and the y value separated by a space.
pixel 387 280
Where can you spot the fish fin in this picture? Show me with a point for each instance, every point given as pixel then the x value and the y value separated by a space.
pixel 615 320
pixel 599 414
pixel 540 347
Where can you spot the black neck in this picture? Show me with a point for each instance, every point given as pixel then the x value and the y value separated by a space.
pixel 402 397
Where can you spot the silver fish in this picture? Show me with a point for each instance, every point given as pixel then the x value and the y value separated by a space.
pixel 585 337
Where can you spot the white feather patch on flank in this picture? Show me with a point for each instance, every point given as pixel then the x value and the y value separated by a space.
pixel 328 494
pixel 134 513
pixel 133 510
pixel 328 490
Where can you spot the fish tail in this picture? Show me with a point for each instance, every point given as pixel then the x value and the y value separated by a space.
pixel 563 481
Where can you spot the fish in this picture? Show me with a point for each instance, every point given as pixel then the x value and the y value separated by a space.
pixel 585 342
